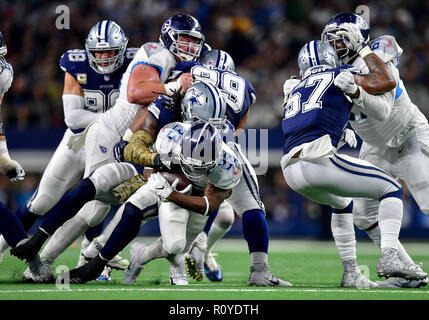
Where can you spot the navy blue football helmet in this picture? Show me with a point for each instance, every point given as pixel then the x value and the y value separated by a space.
pixel 201 151
pixel 329 34
pixel 182 25
pixel 3 48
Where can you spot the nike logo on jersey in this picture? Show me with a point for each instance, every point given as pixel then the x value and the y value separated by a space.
pixel 400 150
pixel 103 149
pixel 236 171
pixel 388 45
pixel 153 47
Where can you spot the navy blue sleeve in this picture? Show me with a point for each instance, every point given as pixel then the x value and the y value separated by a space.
pixel 162 114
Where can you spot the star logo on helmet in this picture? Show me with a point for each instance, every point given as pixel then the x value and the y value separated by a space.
pixel 193 100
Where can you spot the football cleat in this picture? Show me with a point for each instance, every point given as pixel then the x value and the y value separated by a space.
pixel 27 249
pixel 105 275
pixel 41 273
pixel 194 260
pixel 87 272
pixel 395 282
pixel 389 265
pixel 212 269
pixel 178 273
pixel 264 278
pixel 118 263
pixel 356 280
pixel 135 267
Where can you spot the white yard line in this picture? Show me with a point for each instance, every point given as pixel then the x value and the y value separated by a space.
pixel 283 290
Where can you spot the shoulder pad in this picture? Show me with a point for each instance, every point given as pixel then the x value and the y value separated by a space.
pixel 386 48
pixel 70 60
pixel 169 138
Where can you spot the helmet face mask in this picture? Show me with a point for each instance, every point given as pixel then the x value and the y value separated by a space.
pixel 316 53
pixel 106 35
pixel 202 103
pixel 201 151
pixel 181 35
pixel 337 42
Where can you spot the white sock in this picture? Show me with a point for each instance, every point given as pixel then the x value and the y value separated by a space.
pixel 153 251
pixel 258 259
pixel 63 238
pixel 389 220
pixel 344 234
pixel 201 239
pixel 375 236
pixel 215 234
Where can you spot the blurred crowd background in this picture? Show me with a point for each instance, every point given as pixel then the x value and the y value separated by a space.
pixel 263 37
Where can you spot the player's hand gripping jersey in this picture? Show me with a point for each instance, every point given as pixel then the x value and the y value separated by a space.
pixel 315 114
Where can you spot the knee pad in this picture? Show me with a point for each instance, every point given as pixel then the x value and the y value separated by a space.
pixel 174 247
pixel 365 213
pixel 225 218
pixel 42 203
pixel 94 212
pixel 110 175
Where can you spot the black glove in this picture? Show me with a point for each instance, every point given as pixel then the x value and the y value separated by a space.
pixel 118 150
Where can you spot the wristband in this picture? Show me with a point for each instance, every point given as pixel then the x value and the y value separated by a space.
pixel 170 88
pixel 207 205
pixel 127 135
pixel 366 50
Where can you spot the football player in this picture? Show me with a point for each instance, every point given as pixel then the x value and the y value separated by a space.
pixel 218 68
pixel 10 227
pixel 103 179
pixel 395 136
pixel 91 83
pixel 316 113
pixel 143 81
pixel 245 199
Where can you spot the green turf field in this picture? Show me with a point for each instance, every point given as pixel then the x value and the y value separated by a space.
pixel 313 267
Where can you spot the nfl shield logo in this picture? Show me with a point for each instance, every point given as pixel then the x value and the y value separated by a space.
pixel 103 149
pixel 106 77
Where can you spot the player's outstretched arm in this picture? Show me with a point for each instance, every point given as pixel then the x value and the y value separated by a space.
pixel 144 85
pixel 379 80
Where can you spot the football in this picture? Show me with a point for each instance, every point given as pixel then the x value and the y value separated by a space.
pixel 170 177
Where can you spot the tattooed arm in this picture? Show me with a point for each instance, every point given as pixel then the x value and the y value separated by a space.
pixel 143 85
pixel 379 80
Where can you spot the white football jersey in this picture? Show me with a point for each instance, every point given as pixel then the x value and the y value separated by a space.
pixel 391 130
pixel 119 117
pixel 225 175
pixel 6 77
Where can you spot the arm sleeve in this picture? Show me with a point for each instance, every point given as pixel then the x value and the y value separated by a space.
pixel 377 106
pixel 137 151
pixel 75 116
